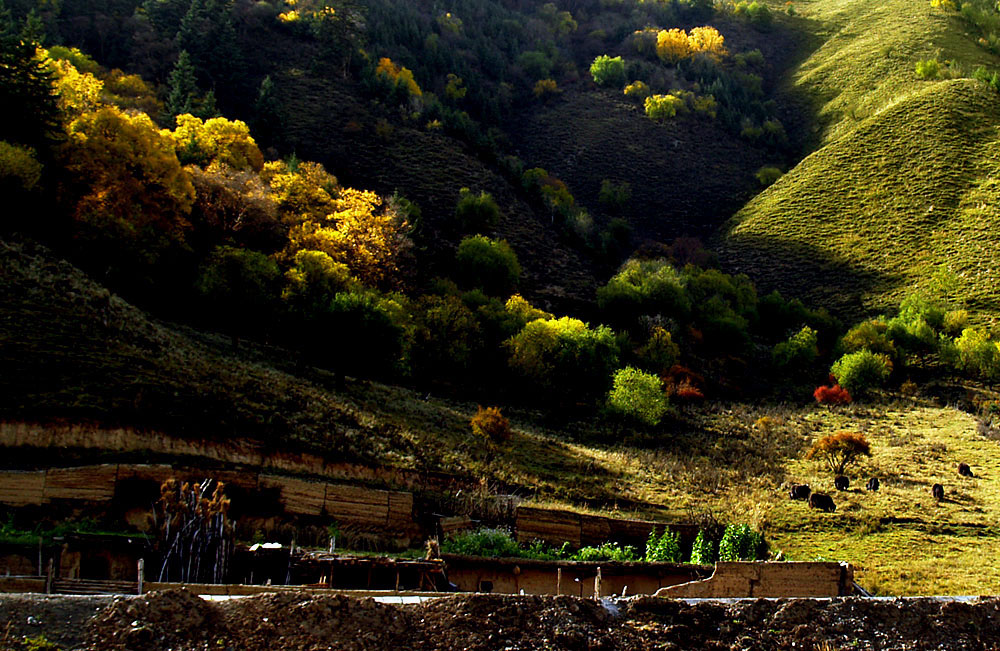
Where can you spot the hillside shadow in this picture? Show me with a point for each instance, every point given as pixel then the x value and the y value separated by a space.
pixel 816 276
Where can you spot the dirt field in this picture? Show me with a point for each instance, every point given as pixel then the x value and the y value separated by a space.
pixel 178 620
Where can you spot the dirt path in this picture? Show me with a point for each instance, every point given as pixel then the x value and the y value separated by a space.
pixel 178 620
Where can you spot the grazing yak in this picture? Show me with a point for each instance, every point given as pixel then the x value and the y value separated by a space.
pixel 965 470
pixel 872 484
pixel 938 491
pixel 800 491
pixel 841 482
pixel 822 502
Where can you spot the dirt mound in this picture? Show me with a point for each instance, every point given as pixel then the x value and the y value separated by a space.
pixel 301 622
pixel 517 622
pixel 157 621
pixel 910 624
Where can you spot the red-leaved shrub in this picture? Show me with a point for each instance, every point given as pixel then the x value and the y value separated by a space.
pixel 832 395
pixel 683 385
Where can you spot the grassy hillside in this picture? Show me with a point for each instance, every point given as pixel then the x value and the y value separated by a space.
pixel 901 183
pixel 72 352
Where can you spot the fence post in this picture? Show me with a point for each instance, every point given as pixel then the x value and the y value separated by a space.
pixel 559 581
pixel 142 572
pixel 49 577
pixel 597 584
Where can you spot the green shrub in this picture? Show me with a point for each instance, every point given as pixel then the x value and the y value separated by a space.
pixel 862 371
pixel 768 174
pixel 741 543
pixel 703 550
pixel 490 265
pixel 665 548
pixel 871 335
pixel 955 321
pixel 990 78
pixel 608 551
pixel 916 325
pixel 759 14
pixel 637 395
pixel 486 542
pixel 564 357
pixel 445 337
pixel 661 107
pixel 476 213
pixel 799 350
pixel 929 69
pixel 659 352
pixel 608 71
pixel 644 287
pixel 535 64
pixel 39 643
pixel 978 355
pixel 614 196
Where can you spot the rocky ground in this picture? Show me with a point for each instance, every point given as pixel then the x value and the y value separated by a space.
pixel 178 620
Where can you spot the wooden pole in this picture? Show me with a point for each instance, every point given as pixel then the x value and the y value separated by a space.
pixel 597 584
pixel 142 573
pixel 49 577
pixel 559 580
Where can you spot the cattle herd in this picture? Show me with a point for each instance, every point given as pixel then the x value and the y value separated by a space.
pixel 824 502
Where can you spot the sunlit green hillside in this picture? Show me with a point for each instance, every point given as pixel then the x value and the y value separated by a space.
pixel 902 183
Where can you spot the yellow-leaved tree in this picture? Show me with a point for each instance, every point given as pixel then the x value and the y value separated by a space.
pixel 400 76
pixel 216 141
pixel 361 232
pixel 304 191
pixel 672 45
pixel 128 181
pixel 707 40
pixel 79 92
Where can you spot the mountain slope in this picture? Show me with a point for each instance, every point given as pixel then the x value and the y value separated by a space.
pixel 902 183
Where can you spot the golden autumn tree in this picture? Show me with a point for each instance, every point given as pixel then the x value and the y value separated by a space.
pixel 399 76
pixel 707 40
pixel 79 92
pixel 361 232
pixel 130 181
pixel 304 191
pixel 217 140
pixel 672 45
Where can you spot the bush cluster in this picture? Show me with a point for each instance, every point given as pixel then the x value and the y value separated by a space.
pixel 741 543
pixel 665 548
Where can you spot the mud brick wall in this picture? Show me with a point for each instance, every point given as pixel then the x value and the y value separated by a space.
pixel 759 579
pixel 368 509
pixel 556 527
pixel 233 451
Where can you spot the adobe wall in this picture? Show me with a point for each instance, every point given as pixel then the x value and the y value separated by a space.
pixel 385 512
pixel 763 579
pixel 230 451
pixel 510 576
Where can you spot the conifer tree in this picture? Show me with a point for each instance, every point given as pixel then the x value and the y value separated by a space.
pixel 27 94
pixel 267 121
pixel 183 88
